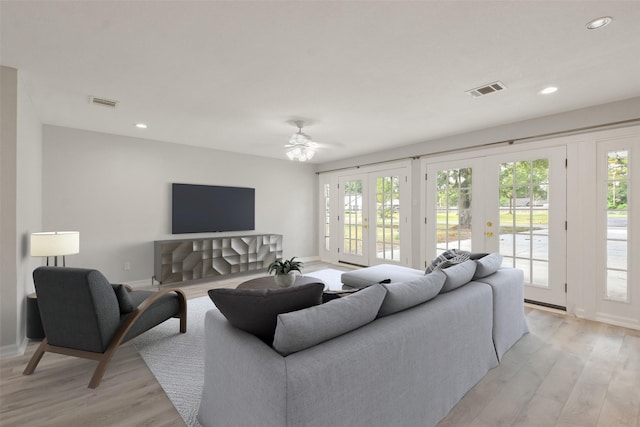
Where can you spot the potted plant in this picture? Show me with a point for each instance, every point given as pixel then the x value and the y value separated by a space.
pixel 284 271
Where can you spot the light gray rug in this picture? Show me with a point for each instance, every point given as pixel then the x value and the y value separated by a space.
pixel 177 360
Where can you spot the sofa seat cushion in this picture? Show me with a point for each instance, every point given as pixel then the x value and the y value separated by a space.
pixel 256 310
pixel 302 329
pixel 458 275
pixel 403 295
pixel 379 273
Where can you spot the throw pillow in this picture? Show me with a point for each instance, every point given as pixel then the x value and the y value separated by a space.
pixel 403 295
pixel 477 255
pixel 305 328
pixel 256 310
pixel 447 259
pixel 488 265
pixel 458 275
pixel 125 302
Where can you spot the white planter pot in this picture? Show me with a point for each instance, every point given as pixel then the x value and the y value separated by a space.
pixel 285 280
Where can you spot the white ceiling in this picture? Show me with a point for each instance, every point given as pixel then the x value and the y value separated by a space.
pixel 367 76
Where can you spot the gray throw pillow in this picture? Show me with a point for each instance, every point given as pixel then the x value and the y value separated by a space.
pixel 403 295
pixel 305 328
pixel 256 310
pixel 447 259
pixel 125 302
pixel 488 265
pixel 458 275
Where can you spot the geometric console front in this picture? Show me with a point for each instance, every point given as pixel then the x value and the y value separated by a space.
pixel 191 259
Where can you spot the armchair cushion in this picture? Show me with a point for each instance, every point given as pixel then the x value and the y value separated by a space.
pixel 124 300
pixel 162 309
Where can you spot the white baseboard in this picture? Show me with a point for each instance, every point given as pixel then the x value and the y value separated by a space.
pixel 13 350
pixel 625 322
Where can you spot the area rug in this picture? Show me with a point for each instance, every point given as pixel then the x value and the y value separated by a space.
pixel 177 360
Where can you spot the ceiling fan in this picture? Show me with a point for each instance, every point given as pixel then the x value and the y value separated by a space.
pixel 300 147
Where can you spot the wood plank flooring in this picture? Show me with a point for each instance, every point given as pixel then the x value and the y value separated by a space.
pixel 566 373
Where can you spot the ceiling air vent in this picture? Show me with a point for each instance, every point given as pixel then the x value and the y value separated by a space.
pixel 486 89
pixel 103 101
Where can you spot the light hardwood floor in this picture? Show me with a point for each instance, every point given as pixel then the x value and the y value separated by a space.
pixel 566 372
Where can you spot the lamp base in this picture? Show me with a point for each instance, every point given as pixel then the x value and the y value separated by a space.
pixel 55 260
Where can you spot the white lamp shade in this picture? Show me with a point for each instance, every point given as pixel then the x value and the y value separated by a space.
pixel 55 243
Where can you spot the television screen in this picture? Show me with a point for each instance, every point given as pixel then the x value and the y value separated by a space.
pixel 210 208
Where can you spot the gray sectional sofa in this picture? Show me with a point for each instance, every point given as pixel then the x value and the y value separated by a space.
pixel 408 368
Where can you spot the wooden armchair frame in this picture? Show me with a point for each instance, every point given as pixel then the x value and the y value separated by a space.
pixel 104 358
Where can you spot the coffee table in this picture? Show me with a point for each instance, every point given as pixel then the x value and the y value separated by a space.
pixel 269 282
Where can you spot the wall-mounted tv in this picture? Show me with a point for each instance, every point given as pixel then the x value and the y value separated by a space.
pixel 211 208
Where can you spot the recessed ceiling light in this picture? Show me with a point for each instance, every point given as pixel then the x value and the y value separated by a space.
pixel 548 90
pixel 599 22
pixel 141 125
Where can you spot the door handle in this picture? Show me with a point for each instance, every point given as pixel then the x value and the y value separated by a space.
pixel 489 223
pixel 489 233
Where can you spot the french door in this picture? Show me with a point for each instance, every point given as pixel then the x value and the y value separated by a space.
pixel 511 203
pixel 373 220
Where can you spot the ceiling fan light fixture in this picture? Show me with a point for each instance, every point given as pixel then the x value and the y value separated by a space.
pixel 300 153
pixel 301 147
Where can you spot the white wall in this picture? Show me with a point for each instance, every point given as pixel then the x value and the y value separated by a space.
pixel 600 114
pixel 21 198
pixel 116 191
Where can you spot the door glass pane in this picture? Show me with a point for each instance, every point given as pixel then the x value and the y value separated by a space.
pixel 453 217
pixel 327 216
pixel 353 217
pixel 524 218
pixel 387 218
pixel 617 242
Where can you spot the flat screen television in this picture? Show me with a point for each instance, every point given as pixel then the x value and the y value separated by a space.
pixel 211 208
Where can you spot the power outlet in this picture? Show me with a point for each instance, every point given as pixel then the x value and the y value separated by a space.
pixel 126 266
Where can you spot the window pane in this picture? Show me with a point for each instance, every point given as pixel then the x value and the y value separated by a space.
pixel 387 217
pixel 327 216
pixel 353 217
pixel 454 215
pixel 617 243
pixel 524 217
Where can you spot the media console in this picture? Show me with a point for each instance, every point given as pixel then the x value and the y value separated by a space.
pixel 191 259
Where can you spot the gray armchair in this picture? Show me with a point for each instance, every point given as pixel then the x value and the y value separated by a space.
pixel 83 315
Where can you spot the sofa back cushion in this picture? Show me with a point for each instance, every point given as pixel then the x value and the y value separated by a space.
pixel 403 295
pixel 487 265
pixel 302 329
pixel 458 275
pixel 256 310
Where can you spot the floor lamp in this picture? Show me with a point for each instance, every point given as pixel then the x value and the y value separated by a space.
pixel 55 244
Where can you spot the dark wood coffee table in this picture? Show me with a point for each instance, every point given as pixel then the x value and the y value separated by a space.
pixel 268 282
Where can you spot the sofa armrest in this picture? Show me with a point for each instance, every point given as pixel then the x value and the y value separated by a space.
pixel 244 378
pixel 509 322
